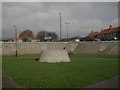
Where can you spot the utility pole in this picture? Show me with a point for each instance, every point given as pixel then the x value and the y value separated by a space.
pixel 67 29
pixel 16 40
pixel 60 27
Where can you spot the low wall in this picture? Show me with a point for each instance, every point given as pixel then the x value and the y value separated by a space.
pixel 34 47
pixel 102 47
pixel 81 47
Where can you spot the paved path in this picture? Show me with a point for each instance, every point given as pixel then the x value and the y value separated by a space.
pixel 110 83
pixel 82 58
pixel 94 58
pixel 0 78
pixel 8 82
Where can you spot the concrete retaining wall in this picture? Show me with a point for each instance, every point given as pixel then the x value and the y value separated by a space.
pixel 81 47
pixel 106 47
pixel 34 47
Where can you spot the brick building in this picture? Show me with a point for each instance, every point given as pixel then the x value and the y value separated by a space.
pixel 106 34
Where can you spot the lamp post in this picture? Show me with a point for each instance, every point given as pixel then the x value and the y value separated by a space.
pixel 16 40
pixel 60 27
pixel 67 29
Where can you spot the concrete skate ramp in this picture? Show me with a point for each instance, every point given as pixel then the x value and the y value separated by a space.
pixel 101 47
pixel 53 56
pixel 58 46
pixel 32 47
pixel 55 53
pixel 109 47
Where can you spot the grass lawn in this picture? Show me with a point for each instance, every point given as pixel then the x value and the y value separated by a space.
pixel 30 73
pixel 0 61
pixel 33 55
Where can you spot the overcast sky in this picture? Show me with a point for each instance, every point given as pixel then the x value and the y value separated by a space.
pixel 36 16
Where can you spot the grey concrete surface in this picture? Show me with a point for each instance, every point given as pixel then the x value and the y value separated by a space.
pixel 110 83
pixel 8 82
pixel 55 53
pixel 81 58
pixel 100 47
pixel 0 78
pixel 34 47
pixel 53 56
pixel 93 58
pixel 97 48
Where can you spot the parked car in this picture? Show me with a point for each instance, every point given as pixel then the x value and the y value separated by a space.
pixel 87 39
pixel 97 39
pixel 116 38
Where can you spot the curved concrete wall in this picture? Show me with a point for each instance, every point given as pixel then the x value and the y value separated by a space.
pixel 106 47
pixel 81 47
pixel 33 47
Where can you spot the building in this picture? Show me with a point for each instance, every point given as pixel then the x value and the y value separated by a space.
pixel 14 39
pixel 106 34
pixel 23 39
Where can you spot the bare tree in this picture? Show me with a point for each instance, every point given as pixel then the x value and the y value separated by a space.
pixel 42 34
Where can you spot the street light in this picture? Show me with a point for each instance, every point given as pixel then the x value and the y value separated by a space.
pixel 16 39
pixel 67 29
pixel 60 27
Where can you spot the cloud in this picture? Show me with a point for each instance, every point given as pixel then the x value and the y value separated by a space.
pixel 83 17
pixel 60 0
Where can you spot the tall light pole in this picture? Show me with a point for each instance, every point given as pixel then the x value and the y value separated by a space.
pixel 67 29
pixel 60 27
pixel 16 40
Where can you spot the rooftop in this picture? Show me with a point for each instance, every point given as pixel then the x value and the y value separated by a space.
pixel 105 31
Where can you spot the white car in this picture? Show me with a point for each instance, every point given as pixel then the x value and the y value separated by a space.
pixel 77 40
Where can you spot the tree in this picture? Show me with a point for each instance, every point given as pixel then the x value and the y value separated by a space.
pixel 26 35
pixel 42 34
pixel 54 36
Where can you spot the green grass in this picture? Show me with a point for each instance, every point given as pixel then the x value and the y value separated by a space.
pixel 30 73
pixel 94 55
pixel 0 61
pixel 34 55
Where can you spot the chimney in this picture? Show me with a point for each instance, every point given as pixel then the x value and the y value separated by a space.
pixel 110 26
pixel 92 31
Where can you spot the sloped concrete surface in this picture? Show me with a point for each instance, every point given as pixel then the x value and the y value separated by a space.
pixel 53 56
pixel 108 47
pixel 95 47
pixel 0 78
pixel 8 82
pixel 110 83
pixel 55 52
